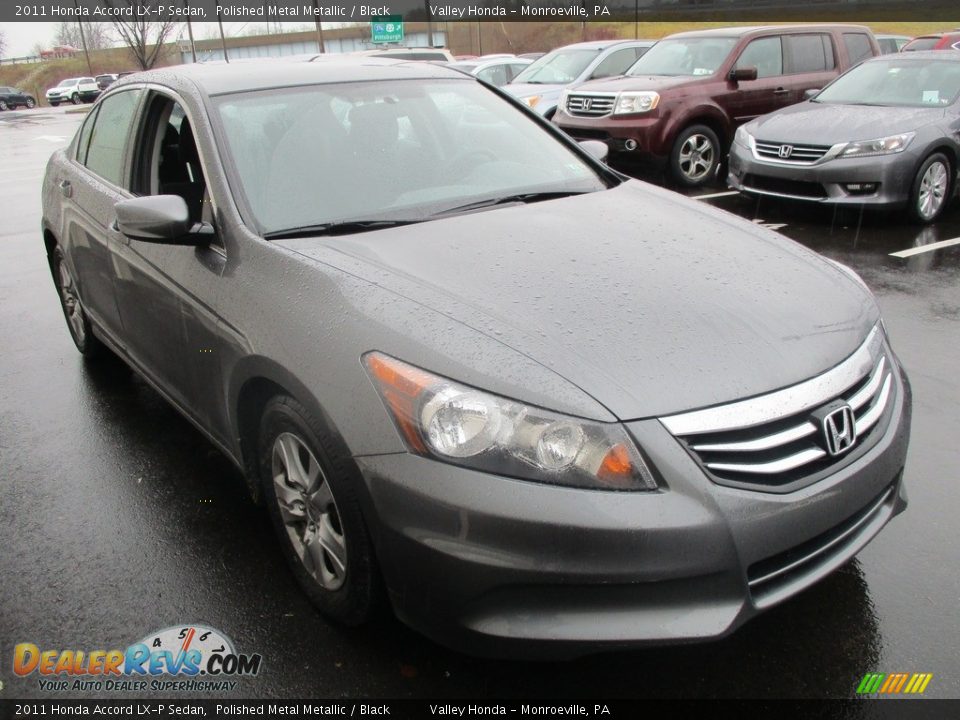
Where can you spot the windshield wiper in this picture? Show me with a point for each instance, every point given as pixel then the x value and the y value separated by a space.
pixel 341 227
pixel 529 197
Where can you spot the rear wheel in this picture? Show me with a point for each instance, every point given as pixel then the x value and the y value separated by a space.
pixel 932 188
pixel 695 156
pixel 77 321
pixel 310 490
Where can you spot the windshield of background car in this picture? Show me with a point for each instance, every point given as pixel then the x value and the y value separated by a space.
pixel 558 68
pixel 400 150
pixel 684 56
pixel 896 82
pixel 921 44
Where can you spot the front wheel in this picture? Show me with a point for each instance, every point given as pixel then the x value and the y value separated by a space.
pixel 3 105
pixel 75 99
pixel 30 103
pixel 310 488
pixel 54 104
pixel 77 321
pixel 695 156
pixel 931 189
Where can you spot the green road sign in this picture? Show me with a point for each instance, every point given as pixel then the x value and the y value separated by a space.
pixel 387 29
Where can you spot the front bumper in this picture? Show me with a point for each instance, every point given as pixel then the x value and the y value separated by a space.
pixel 502 567
pixel 620 133
pixel 827 182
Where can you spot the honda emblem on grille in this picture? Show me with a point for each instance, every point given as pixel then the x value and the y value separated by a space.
pixel 587 103
pixel 786 151
pixel 839 430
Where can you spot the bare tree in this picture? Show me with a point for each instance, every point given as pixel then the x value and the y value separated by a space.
pixel 145 38
pixel 99 35
pixel 3 43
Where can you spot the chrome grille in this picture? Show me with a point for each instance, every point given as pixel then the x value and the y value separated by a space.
pixel 798 154
pixel 590 105
pixel 777 442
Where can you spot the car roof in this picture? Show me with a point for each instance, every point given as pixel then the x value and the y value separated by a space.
pixel 741 31
pixel 918 55
pixel 604 44
pixel 218 78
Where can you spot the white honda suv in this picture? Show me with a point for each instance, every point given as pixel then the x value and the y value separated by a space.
pixel 75 90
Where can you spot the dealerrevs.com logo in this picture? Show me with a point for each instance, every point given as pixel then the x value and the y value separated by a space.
pixel 183 658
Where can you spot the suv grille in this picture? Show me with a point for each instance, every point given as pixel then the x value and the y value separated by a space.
pixel 765 444
pixel 799 154
pixel 590 105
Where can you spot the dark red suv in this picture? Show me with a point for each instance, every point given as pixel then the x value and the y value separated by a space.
pixel 682 101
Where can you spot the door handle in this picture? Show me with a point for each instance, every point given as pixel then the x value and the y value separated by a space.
pixel 780 91
pixel 66 188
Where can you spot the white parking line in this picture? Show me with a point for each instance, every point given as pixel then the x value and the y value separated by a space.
pixel 715 195
pixel 926 248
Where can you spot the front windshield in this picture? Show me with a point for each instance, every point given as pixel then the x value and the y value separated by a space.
pixel 684 56
pixel 67 83
pixel 558 67
pixel 896 83
pixel 400 151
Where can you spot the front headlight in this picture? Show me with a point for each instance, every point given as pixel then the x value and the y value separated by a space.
pixel 880 146
pixel 742 137
pixel 636 102
pixel 532 101
pixel 444 420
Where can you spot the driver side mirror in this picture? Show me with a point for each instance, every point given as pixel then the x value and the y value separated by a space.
pixel 744 73
pixel 596 149
pixel 163 219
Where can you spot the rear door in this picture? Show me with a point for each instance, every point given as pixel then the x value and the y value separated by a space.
pixel 91 185
pixel 810 62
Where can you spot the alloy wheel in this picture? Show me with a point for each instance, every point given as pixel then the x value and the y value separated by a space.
pixel 696 157
pixel 309 511
pixel 933 190
pixel 71 304
pixel 3 105
pixel 30 103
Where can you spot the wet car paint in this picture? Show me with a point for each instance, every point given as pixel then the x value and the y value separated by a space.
pixel 123 519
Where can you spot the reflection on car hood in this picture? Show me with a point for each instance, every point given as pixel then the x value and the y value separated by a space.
pixel 657 83
pixel 651 302
pixel 522 90
pixel 825 124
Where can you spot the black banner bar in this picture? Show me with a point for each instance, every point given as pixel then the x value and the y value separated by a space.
pixel 945 11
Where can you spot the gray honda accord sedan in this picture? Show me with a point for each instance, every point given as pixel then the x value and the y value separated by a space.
pixel 884 134
pixel 537 407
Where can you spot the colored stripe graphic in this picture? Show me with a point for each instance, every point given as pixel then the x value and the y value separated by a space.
pixel 894 683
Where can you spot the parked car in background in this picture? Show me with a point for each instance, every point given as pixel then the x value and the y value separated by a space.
pixel 681 102
pixel 885 134
pixel 104 81
pixel 413 53
pixel 892 43
pixel 12 98
pixel 74 90
pixel 934 41
pixel 498 71
pixel 540 85
pixel 466 366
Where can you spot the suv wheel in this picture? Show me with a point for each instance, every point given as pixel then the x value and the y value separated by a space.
pixel 3 105
pixel 695 156
pixel 310 491
pixel 75 99
pixel 931 188
pixel 30 103
pixel 77 321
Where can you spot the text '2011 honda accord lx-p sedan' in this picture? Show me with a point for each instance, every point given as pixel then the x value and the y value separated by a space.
pixel 539 407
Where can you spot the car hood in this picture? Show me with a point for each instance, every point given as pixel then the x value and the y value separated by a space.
pixel 823 124
pixel 522 90
pixel 657 83
pixel 650 302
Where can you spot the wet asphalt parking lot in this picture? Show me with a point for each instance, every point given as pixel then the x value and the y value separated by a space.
pixel 117 518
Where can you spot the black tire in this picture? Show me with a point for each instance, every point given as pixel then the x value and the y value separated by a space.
pixel 75 99
pixel 932 189
pixel 3 105
pixel 336 516
pixel 30 103
pixel 695 156
pixel 54 104
pixel 78 323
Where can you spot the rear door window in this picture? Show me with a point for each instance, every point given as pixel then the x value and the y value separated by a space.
pixel 765 54
pixel 808 53
pixel 108 139
pixel 858 47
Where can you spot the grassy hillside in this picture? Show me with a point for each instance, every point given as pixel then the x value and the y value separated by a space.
pixel 35 78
